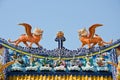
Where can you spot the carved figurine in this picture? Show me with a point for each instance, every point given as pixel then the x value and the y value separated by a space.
pixel 60 62
pixel 34 37
pixel 91 39
pixel 100 61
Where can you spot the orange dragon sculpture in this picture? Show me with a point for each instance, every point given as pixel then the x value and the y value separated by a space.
pixel 34 37
pixel 91 39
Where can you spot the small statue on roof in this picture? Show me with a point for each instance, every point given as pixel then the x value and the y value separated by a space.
pixel 60 39
pixel 34 37
pixel 91 39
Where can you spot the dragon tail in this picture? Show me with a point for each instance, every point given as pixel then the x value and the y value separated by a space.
pixel 9 40
pixel 108 42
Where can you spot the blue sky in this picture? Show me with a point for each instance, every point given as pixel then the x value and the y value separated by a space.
pixel 60 15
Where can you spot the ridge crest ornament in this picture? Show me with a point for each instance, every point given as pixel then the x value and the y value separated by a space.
pixel 91 39
pixel 30 37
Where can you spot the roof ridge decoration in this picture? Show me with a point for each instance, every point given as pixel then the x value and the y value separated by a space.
pixel 34 37
pixel 55 53
pixel 65 53
pixel 90 38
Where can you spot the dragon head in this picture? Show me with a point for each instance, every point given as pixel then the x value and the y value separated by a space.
pixel 82 32
pixel 38 32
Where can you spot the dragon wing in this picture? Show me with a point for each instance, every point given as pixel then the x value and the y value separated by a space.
pixel 27 28
pixel 92 30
